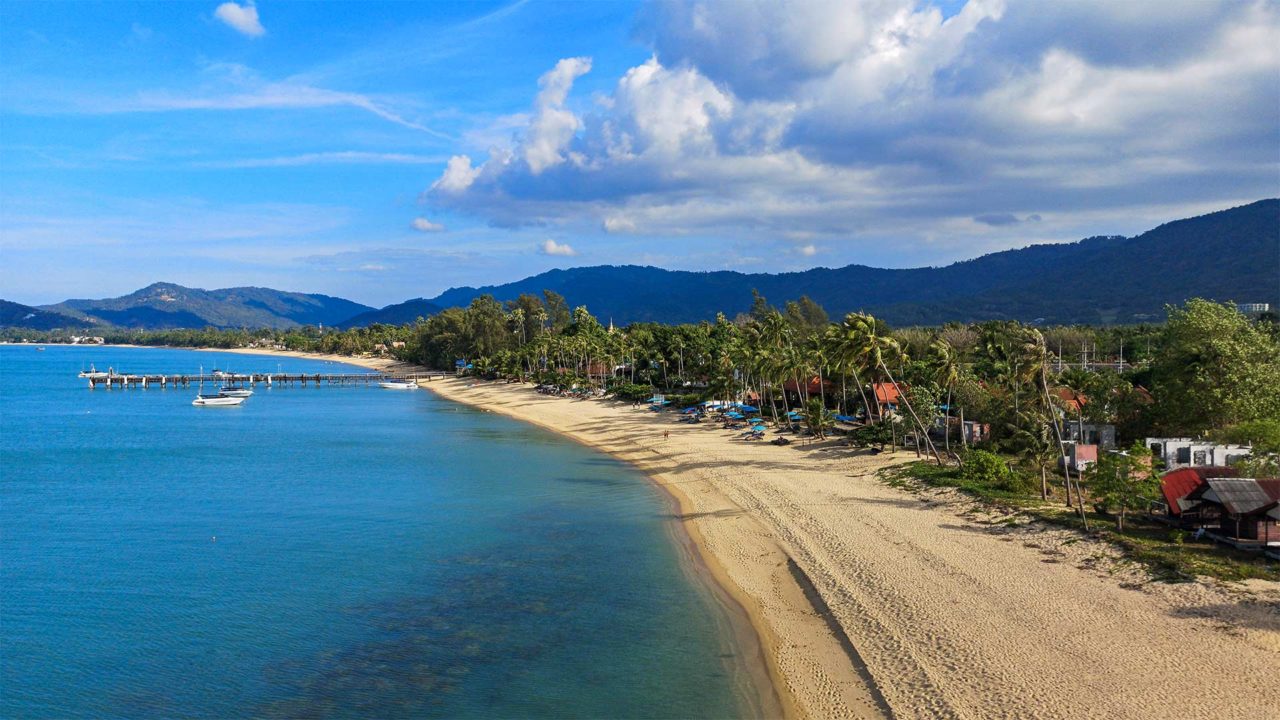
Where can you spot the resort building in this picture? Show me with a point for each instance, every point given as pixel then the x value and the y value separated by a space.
pixel 1186 452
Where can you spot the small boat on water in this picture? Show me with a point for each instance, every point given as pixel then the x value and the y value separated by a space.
pixel 218 400
pixel 234 392
pixel 94 374
pixel 398 384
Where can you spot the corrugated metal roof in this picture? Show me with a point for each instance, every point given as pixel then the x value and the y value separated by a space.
pixel 1178 484
pixel 1240 496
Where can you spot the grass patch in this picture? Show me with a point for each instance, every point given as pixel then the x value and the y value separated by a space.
pixel 1146 542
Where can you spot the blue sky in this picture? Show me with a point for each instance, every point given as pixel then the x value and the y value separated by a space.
pixel 382 151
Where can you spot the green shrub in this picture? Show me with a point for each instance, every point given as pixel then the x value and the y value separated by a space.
pixel 632 393
pixel 987 470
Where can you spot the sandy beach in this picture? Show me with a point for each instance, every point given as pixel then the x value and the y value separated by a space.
pixel 872 601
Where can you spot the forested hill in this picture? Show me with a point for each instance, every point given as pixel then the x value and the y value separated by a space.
pixel 17 315
pixel 1231 255
pixel 165 305
pixel 398 314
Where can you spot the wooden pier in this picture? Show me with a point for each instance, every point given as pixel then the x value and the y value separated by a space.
pixel 116 380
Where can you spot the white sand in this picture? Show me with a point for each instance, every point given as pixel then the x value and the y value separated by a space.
pixel 933 611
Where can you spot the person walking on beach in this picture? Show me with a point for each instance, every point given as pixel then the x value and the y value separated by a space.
pixel 666 434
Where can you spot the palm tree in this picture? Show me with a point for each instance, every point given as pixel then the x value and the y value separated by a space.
pixel 876 349
pixel 845 343
pixel 1034 439
pixel 947 373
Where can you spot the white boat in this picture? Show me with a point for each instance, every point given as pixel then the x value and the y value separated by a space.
pixel 94 374
pixel 399 384
pixel 235 392
pixel 218 400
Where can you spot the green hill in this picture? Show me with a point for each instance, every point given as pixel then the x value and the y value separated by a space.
pixel 165 305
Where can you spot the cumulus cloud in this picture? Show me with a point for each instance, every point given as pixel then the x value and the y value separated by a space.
pixel 242 18
pixel 808 250
pixel 888 119
pixel 422 224
pixel 553 126
pixel 551 247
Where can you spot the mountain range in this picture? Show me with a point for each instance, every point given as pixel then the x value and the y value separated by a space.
pixel 1230 255
pixel 166 305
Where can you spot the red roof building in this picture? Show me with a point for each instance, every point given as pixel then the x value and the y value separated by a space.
pixel 1073 400
pixel 1178 484
pixel 887 393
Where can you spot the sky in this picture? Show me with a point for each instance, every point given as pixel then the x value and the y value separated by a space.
pixel 385 151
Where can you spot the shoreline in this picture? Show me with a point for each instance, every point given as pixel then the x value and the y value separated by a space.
pixel 871 601
pixel 752 635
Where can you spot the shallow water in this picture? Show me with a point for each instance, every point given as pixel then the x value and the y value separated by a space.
pixel 331 552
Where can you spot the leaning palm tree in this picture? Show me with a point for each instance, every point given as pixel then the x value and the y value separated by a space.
pixel 876 349
pixel 845 348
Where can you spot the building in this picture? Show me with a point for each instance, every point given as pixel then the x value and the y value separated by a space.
pixel 970 431
pixel 1214 498
pixel 1097 434
pixel 1253 308
pixel 1082 443
pixel 887 396
pixel 1187 452
pixel 1240 507
pixel 1177 486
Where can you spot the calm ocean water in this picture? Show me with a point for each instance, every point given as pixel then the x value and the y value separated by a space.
pixel 330 552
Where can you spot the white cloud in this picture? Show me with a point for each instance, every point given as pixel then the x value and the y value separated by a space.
pixel 619 224
pixel 458 175
pixel 553 126
pixel 229 86
pixel 551 247
pixel 422 224
pixel 861 122
pixel 807 250
pixel 243 18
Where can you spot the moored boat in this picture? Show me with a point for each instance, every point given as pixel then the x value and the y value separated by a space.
pixel 218 400
pixel 234 392
pixel 399 384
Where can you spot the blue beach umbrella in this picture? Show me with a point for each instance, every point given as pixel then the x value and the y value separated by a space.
pixel 748 408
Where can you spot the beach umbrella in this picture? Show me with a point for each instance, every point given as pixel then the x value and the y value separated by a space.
pixel 749 408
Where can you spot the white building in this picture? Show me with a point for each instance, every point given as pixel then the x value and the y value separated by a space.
pixel 1187 452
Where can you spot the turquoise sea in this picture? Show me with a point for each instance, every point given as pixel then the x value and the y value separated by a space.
pixel 332 552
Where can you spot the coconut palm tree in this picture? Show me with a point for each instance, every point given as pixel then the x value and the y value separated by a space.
pixel 876 350
pixel 845 348
pixel 946 365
